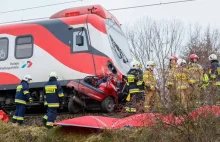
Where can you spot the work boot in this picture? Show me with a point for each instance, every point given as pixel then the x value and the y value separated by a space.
pixel 44 121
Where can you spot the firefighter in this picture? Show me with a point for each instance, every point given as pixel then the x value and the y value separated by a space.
pixel 134 85
pixel 150 88
pixel 172 67
pixel 180 79
pixel 54 95
pixel 214 74
pixel 173 62
pixel 22 96
pixel 155 72
pixel 170 80
pixel 196 78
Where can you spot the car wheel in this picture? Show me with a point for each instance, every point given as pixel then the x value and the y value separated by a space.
pixel 108 104
pixel 73 107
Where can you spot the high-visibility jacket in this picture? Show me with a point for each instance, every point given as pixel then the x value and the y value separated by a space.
pixel 134 79
pixel 149 79
pixel 134 82
pixel 205 81
pixel 170 79
pixel 196 73
pixel 22 93
pixel 53 92
pixel 214 72
pixel 179 78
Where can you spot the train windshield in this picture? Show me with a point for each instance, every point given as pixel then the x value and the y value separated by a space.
pixel 119 45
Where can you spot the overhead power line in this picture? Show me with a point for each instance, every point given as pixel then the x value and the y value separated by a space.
pixel 40 6
pixel 156 4
pixel 123 8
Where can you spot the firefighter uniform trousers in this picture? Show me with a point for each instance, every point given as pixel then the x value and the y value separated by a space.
pixel 215 87
pixel 150 83
pixel 19 114
pixel 170 84
pixel 181 86
pixel 196 73
pixel 135 95
pixel 21 97
pixel 53 92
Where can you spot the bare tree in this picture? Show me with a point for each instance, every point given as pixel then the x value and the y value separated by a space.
pixel 155 40
pixel 203 42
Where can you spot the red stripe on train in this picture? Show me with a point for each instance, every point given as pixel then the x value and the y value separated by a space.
pixel 47 41
pixel 7 78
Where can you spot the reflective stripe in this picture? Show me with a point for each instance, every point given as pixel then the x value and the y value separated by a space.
pixel 20 118
pixel 182 87
pixel 53 104
pixel 130 109
pixel 134 90
pixel 139 83
pixel 130 78
pixel 217 83
pixel 61 95
pixel 45 117
pixel 14 117
pixel 45 103
pixel 152 87
pixel 44 96
pixel 20 101
pixel 19 87
pixel 26 92
pixel 206 78
pixel 210 71
pixel 213 76
pixel 50 89
pixel 49 124
pixel 147 106
pixel 170 83
pixel 192 81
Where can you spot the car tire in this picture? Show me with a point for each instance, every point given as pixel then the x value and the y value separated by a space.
pixel 73 107
pixel 108 104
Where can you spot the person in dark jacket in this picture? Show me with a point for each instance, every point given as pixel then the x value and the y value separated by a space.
pixel 21 98
pixel 53 97
pixel 134 85
pixel 214 75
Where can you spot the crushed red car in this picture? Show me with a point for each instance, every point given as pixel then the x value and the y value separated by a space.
pixel 95 93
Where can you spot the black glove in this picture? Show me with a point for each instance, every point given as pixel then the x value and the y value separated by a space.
pixel 62 103
pixel 147 87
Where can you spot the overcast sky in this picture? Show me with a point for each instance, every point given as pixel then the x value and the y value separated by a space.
pixel 203 11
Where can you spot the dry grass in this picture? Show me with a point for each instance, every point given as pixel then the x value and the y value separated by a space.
pixel 204 129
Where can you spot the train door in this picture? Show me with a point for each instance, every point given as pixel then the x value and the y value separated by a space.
pixel 81 49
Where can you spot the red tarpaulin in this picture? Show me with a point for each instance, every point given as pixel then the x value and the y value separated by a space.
pixel 89 122
pixel 137 120
pixel 3 116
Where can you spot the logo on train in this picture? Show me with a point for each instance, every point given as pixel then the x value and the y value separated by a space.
pixel 27 65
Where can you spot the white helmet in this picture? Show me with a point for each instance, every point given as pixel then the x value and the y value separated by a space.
pixel 212 57
pixel 151 63
pixel 53 74
pixel 148 66
pixel 181 62
pixel 27 77
pixel 135 64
